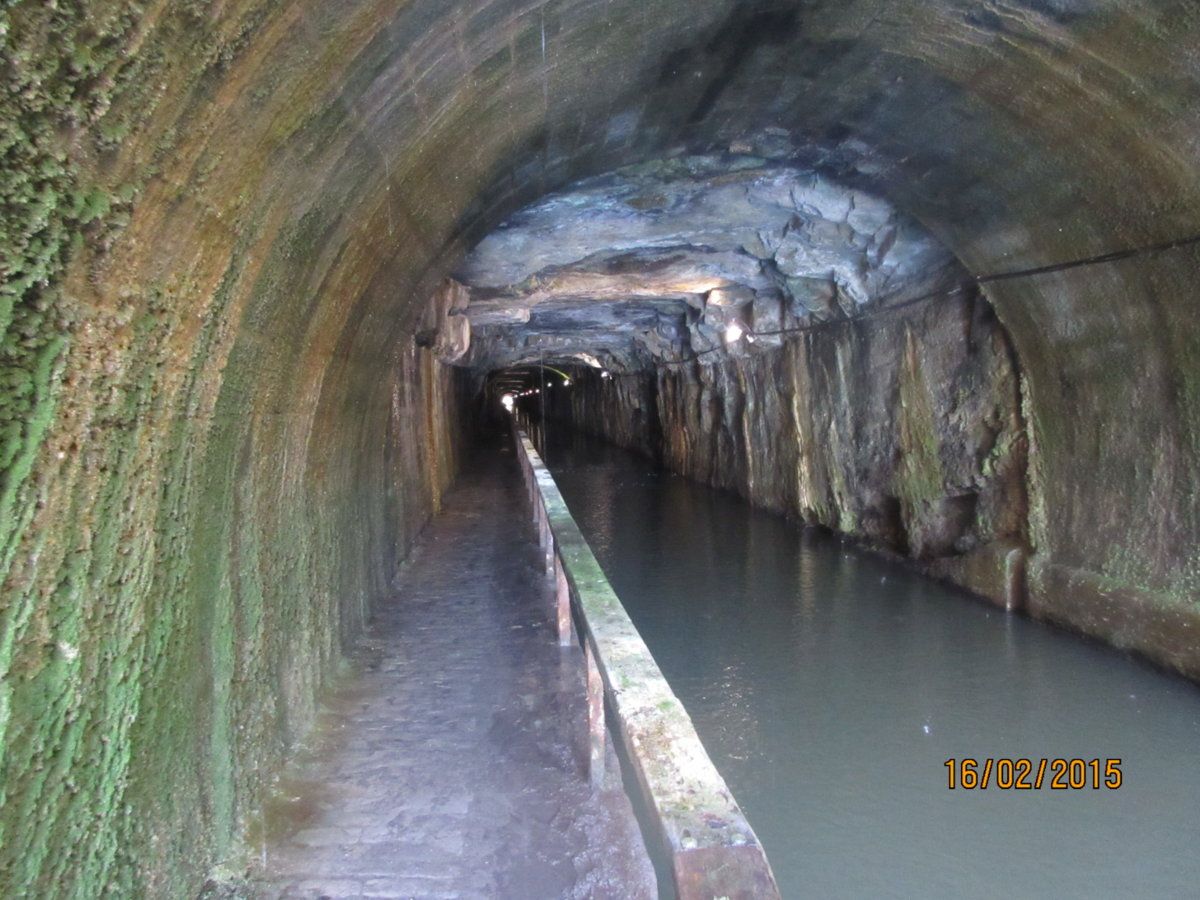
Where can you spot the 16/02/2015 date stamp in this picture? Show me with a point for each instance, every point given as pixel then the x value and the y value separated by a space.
pixel 1021 774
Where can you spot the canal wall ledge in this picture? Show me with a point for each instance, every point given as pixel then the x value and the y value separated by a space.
pixel 712 849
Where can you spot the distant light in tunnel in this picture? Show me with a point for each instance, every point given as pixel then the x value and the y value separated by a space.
pixel 606 374
pixel 566 382
pixel 507 402
pixel 733 332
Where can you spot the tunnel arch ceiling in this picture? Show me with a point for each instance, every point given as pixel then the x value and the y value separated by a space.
pixel 222 222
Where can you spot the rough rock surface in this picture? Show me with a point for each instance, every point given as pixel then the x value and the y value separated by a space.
pixel 652 262
pixel 903 430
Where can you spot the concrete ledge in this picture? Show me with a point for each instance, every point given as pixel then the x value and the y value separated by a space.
pixel 713 850
pixel 1165 631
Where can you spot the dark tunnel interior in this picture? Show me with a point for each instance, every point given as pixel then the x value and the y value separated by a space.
pixel 918 273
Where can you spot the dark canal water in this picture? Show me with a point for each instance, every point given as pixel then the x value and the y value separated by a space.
pixel 830 688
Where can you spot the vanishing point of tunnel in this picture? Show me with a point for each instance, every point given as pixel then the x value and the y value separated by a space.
pixel 597 448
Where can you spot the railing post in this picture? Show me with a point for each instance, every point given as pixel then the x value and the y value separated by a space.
pixel 595 699
pixel 562 598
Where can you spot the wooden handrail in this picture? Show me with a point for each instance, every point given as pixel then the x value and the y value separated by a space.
pixel 712 848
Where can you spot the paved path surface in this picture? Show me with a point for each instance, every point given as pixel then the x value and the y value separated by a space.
pixel 450 764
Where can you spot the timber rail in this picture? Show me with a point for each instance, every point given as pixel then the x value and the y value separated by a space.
pixel 712 849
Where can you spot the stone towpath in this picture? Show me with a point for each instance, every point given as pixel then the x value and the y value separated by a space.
pixel 450 762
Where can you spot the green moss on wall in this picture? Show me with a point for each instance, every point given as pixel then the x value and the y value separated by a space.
pixel 919 479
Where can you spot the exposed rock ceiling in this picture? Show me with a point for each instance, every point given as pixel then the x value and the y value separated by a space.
pixel 653 261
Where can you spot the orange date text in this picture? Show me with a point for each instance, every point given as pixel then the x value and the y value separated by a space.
pixel 1021 774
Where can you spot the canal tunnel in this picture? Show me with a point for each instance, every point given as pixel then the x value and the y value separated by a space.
pixel 917 275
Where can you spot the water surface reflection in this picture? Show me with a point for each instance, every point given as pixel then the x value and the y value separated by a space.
pixel 830 687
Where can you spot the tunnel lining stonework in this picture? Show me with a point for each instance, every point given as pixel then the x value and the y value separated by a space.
pixel 220 224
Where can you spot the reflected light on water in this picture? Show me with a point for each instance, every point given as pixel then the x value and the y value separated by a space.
pixel 830 686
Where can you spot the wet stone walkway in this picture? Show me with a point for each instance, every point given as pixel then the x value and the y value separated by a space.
pixel 450 763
